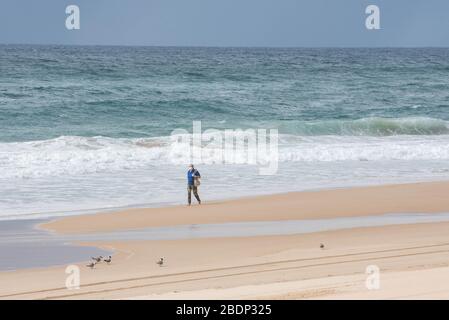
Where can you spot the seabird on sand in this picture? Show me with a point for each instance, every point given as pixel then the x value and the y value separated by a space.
pixel 160 262
pixel 108 260
pixel 97 259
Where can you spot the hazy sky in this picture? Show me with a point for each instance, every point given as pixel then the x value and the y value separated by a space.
pixel 227 22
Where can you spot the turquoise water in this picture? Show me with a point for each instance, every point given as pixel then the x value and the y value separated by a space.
pixel 87 128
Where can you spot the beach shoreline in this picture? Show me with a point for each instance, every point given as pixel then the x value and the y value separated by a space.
pixel 257 267
pixel 420 197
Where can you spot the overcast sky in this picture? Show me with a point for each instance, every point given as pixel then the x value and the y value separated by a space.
pixel 304 23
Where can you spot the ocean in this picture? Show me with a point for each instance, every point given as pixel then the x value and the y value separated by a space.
pixel 87 129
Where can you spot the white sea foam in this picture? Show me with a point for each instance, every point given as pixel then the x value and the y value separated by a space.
pixel 74 156
pixel 67 175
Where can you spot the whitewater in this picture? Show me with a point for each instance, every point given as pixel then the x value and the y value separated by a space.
pixel 78 156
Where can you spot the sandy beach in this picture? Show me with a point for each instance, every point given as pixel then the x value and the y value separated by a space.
pixel 413 259
pixel 402 198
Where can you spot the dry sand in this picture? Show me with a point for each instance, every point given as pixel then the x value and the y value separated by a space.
pixel 413 259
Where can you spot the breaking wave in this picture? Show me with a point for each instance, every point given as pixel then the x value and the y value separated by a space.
pixel 369 127
pixel 73 155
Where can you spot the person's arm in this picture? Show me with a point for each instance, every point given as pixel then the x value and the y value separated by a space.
pixel 197 174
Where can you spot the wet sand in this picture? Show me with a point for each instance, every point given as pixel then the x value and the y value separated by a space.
pixel 223 264
pixel 260 266
pixel 364 201
pixel 23 246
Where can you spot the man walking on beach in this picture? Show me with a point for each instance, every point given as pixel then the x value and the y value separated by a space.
pixel 193 181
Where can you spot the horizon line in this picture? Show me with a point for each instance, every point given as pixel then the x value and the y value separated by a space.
pixel 224 46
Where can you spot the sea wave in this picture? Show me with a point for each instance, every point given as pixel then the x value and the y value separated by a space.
pixel 74 155
pixel 371 126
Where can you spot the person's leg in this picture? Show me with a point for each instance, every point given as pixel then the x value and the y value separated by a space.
pixel 189 194
pixel 195 193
